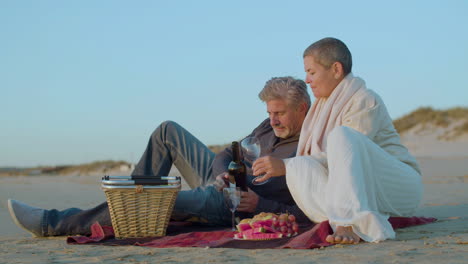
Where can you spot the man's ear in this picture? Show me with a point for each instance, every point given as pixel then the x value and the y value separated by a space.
pixel 303 108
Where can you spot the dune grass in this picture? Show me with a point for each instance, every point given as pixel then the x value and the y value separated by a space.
pixel 90 167
pixel 82 169
pixel 428 115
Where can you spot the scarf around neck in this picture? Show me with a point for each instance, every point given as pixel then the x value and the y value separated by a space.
pixel 325 114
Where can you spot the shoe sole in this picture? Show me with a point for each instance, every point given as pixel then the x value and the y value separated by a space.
pixel 15 220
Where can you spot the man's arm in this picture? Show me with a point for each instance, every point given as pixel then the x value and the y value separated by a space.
pixel 222 159
pixel 263 204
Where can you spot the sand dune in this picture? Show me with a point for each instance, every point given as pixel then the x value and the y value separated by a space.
pixel 435 142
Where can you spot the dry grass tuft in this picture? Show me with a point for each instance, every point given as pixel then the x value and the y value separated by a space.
pixel 441 118
pixel 82 169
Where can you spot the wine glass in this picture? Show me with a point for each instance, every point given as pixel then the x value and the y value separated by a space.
pixel 232 197
pixel 251 150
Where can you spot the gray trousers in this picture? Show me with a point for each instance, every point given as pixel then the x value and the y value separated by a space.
pixel 169 144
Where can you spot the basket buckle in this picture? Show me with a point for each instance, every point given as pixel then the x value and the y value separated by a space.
pixel 139 188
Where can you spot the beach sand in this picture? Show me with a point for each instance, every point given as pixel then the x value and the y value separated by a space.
pixel 446 241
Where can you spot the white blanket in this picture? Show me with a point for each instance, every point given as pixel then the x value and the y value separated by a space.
pixel 325 114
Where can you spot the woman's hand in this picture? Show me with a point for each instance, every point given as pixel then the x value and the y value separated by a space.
pixel 268 167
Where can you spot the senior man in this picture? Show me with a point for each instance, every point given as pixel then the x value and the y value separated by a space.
pixel 287 103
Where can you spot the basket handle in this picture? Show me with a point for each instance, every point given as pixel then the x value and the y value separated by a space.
pixel 150 182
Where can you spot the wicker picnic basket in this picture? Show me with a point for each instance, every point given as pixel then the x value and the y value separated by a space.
pixel 140 206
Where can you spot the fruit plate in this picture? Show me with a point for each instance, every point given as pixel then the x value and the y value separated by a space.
pixel 257 236
pixel 263 239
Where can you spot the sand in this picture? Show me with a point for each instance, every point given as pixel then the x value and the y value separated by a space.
pixel 446 241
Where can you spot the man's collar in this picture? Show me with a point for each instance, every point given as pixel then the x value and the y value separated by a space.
pixel 290 139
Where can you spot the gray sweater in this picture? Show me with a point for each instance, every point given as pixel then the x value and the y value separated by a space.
pixel 274 196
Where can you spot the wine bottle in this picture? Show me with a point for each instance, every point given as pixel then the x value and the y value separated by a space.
pixel 236 168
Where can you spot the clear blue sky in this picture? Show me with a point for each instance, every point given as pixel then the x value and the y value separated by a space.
pixel 90 80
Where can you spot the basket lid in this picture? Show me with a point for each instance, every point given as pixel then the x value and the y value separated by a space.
pixel 149 181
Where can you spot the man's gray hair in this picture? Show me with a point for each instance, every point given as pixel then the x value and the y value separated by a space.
pixel 294 91
pixel 328 51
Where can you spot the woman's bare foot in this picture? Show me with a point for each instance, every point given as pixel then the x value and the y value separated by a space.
pixel 343 235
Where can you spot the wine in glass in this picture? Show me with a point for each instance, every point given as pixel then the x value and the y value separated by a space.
pixel 251 150
pixel 232 197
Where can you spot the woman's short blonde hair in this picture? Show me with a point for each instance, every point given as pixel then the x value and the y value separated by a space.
pixel 328 51
pixel 293 90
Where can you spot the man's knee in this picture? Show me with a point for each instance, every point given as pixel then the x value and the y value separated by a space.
pixel 166 128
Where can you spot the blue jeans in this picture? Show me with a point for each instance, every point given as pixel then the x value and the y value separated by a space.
pixel 169 144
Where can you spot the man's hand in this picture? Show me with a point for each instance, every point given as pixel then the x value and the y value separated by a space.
pixel 222 181
pixel 248 202
pixel 268 167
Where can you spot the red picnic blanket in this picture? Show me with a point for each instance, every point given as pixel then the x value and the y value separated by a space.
pixel 312 236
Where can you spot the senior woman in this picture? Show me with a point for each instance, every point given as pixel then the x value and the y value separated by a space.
pixel 350 168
